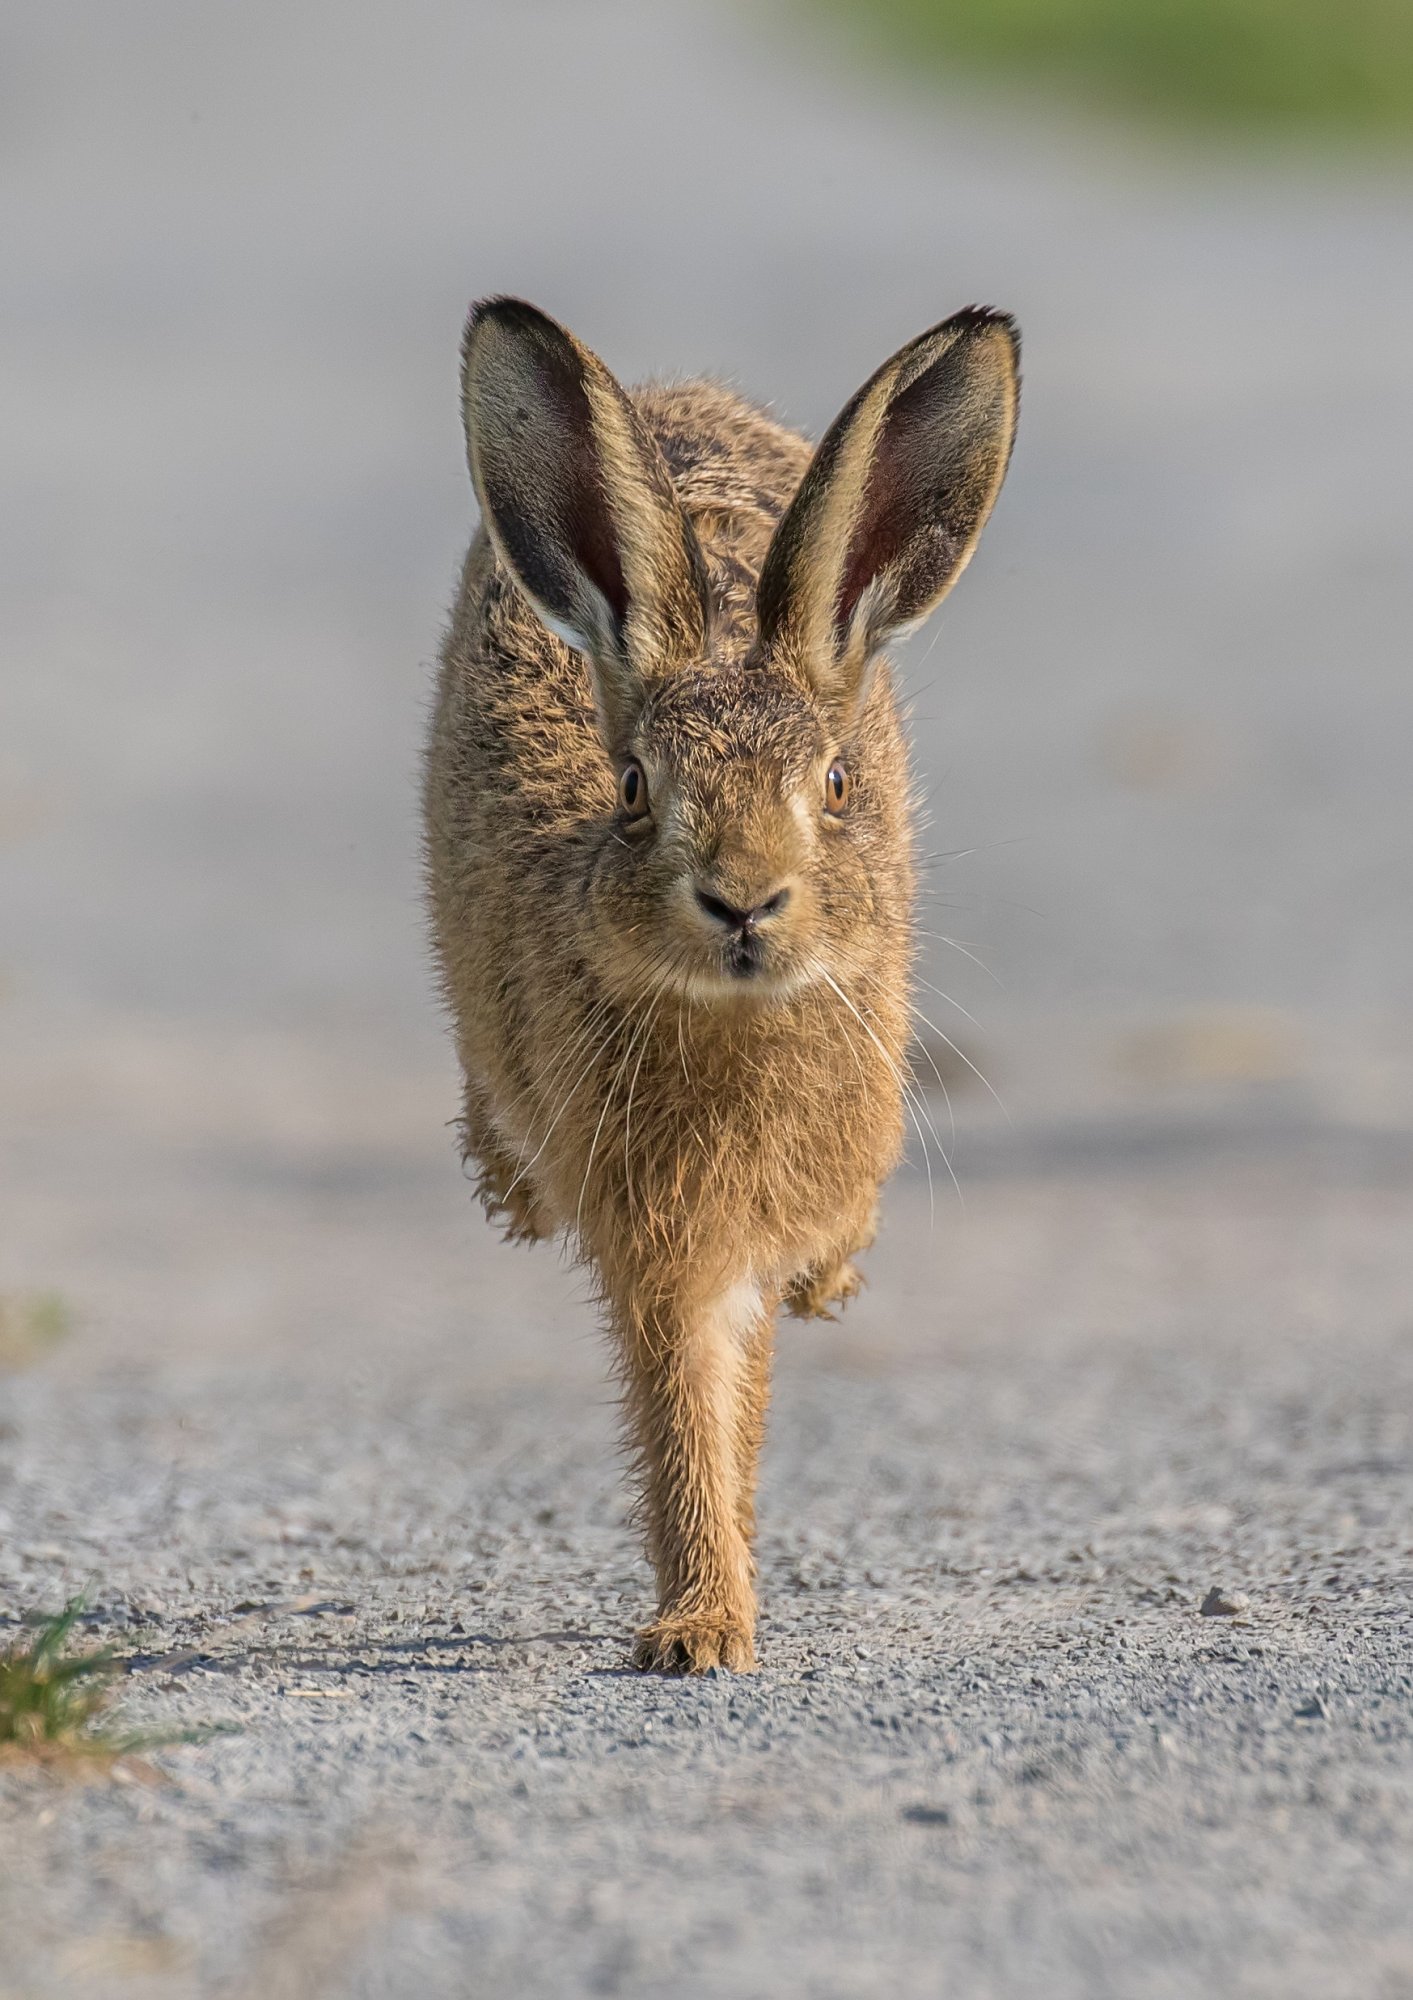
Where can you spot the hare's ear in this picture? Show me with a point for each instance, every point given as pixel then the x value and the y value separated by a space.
pixel 893 503
pixel 578 502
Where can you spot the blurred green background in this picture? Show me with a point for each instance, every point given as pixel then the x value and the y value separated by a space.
pixel 1280 65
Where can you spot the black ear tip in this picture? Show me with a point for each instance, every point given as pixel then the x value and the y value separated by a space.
pixel 977 319
pixel 511 314
pixel 503 306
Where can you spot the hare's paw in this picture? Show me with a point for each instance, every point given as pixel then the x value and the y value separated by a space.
pixel 498 1173
pixel 814 1292
pixel 514 1205
pixel 694 1644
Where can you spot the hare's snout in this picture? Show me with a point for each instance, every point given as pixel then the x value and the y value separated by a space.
pixel 740 920
pixel 742 906
pixel 740 926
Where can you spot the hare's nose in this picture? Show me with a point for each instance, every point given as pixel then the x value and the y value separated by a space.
pixel 736 919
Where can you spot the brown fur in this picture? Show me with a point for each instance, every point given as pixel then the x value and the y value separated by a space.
pixel 709 1121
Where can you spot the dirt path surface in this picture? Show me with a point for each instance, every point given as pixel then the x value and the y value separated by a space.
pixel 333 1464
pixel 994 1746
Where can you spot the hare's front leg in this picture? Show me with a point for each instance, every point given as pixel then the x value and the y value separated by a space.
pixel 696 1379
pixel 501 1177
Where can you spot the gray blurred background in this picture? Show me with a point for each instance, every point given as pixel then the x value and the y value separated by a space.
pixel 1164 725
pixel 1167 715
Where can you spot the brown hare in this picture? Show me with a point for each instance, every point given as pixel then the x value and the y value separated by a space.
pixel 670 857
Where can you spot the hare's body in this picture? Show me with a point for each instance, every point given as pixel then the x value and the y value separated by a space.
pixel 753 1115
pixel 678 973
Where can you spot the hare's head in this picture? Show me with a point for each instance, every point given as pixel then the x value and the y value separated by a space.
pixel 750 813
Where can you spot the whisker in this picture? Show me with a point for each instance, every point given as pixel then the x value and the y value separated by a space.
pixel 927 983
pixel 951 1119
pixel 639 1030
pixel 557 1063
pixel 940 938
pixel 598 1129
pixel 906 1093
pixel 941 1080
pixel 961 1054
pixel 557 1068
pixel 564 1104
pixel 964 853
pixel 655 1004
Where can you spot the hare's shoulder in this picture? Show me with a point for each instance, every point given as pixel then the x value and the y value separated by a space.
pixel 725 454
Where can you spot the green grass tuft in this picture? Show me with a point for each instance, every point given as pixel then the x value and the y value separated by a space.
pixel 1342 67
pixel 54 1703
pixel 51 1699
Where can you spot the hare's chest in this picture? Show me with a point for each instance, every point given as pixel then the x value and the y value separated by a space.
pixel 780 1148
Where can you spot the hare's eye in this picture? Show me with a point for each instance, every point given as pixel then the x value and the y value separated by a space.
pixel 836 789
pixel 633 790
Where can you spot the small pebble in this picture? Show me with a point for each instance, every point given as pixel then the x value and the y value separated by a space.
pixel 1224 1603
pixel 928 1815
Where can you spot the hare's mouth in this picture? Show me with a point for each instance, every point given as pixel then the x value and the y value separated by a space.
pixel 745 976
pixel 744 957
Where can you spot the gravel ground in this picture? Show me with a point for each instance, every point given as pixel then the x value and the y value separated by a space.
pixel 995 1745
pixel 334 1465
